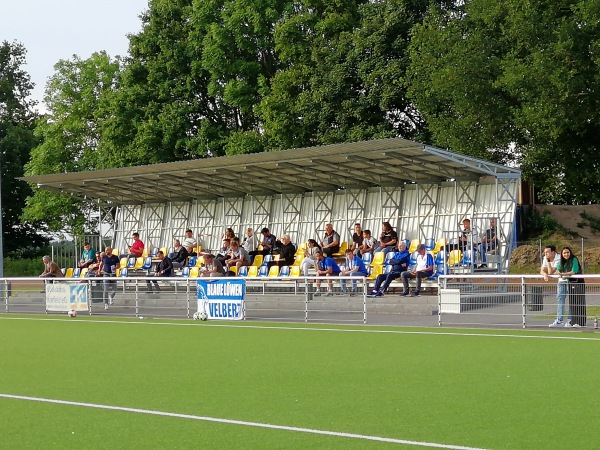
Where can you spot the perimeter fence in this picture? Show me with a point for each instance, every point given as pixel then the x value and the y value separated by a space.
pixel 457 300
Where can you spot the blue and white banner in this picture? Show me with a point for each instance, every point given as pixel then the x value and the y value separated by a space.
pixel 64 297
pixel 222 298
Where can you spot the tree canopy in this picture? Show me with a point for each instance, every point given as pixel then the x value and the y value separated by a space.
pixel 509 82
pixel 515 82
pixel 16 141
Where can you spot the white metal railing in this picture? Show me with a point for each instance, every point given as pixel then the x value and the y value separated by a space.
pixel 459 300
pixel 267 298
pixel 516 300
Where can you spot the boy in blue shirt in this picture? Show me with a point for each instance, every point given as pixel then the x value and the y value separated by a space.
pixel 355 267
pixel 326 267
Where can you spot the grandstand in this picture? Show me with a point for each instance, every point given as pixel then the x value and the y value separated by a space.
pixel 423 191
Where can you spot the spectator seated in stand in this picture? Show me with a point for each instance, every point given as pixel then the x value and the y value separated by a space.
pixel 331 241
pixel 357 239
pixel 136 249
pixel 238 256
pixel 388 239
pixel 355 267
pixel 369 243
pixel 326 267
pixel 287 251
pixel 180 255
pixel 423 269
pixel 93 269
pixel 163 269
pixel 223 253
pixel 268 242
pixel 212 267
pixel 399 263
pixel 310 259
pixel 88 256
pixel 189 240
pixel 249 243
pixel 51 269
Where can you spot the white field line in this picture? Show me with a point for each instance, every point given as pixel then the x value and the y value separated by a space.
pixel 358 329
pixel 238 422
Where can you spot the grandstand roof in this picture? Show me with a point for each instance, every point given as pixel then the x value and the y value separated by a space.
pixel 382 162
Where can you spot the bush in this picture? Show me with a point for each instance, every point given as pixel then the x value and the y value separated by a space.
pixel 21 267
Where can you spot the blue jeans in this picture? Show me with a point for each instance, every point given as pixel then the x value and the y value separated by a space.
pixel 354 283
pixel 386 249
pixel 561 295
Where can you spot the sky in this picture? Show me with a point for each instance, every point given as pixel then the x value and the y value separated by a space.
pixel 59 29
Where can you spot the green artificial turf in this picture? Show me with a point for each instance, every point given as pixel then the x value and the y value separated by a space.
pixel 472 388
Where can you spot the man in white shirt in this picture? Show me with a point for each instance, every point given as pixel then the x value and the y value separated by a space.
pixel 189 240
pixel 549 262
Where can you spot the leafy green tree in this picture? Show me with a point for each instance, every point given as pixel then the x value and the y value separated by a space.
pixel 16 141
pixel 342 75
pixel 515 82
pixel 76 99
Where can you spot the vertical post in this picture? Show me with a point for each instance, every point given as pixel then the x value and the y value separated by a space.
pixel 524 302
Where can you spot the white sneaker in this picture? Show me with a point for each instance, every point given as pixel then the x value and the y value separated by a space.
pixel 568 324
pixel 576 325
pixel 557 323
pixel 106 306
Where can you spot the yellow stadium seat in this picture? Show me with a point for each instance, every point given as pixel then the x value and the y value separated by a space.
pixel 295 271
pixel 298 259
pixel 252 271
pixel 454 258
pixel 199 261
pixel 440 244
pixel 139 263
pixel 273 271
pixel 145 252
pixel 301 248
pixel 123 262
pixel 233 269
pixel 118 272
pixel 84 272
pixel 69 273
pixel 375 270
pixel 414 243
pixel 258 260
pixel 343 248
pixel 194 272
pixel 378 259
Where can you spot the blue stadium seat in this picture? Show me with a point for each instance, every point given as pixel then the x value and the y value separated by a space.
pixel 243 271
pixel 388 256
pixel 429 244
pixel 367 258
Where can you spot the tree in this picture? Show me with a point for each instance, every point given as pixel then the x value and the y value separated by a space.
pixel 76 98
pixel 515 82
pixel 16 141
pixel 344 62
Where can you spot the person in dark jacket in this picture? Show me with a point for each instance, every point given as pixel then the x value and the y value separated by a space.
pixel 181 255
pixel 399 264
pixel 287 250
pixel 163 269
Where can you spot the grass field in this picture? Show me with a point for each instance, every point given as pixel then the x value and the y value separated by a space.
pixel 415 387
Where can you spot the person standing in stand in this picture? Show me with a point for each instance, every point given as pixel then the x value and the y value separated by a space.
pixel 108 268
pixel 568 265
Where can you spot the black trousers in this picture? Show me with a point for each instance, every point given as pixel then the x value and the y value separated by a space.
pixel 577 304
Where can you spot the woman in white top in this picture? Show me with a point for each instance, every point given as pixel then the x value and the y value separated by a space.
pixel 309 257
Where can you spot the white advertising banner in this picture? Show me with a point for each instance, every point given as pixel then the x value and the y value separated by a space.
pixel 63 297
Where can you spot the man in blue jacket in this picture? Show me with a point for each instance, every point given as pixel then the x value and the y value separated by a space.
pixel 399 264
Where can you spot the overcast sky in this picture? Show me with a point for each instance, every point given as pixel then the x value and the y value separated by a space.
pixel 59 29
